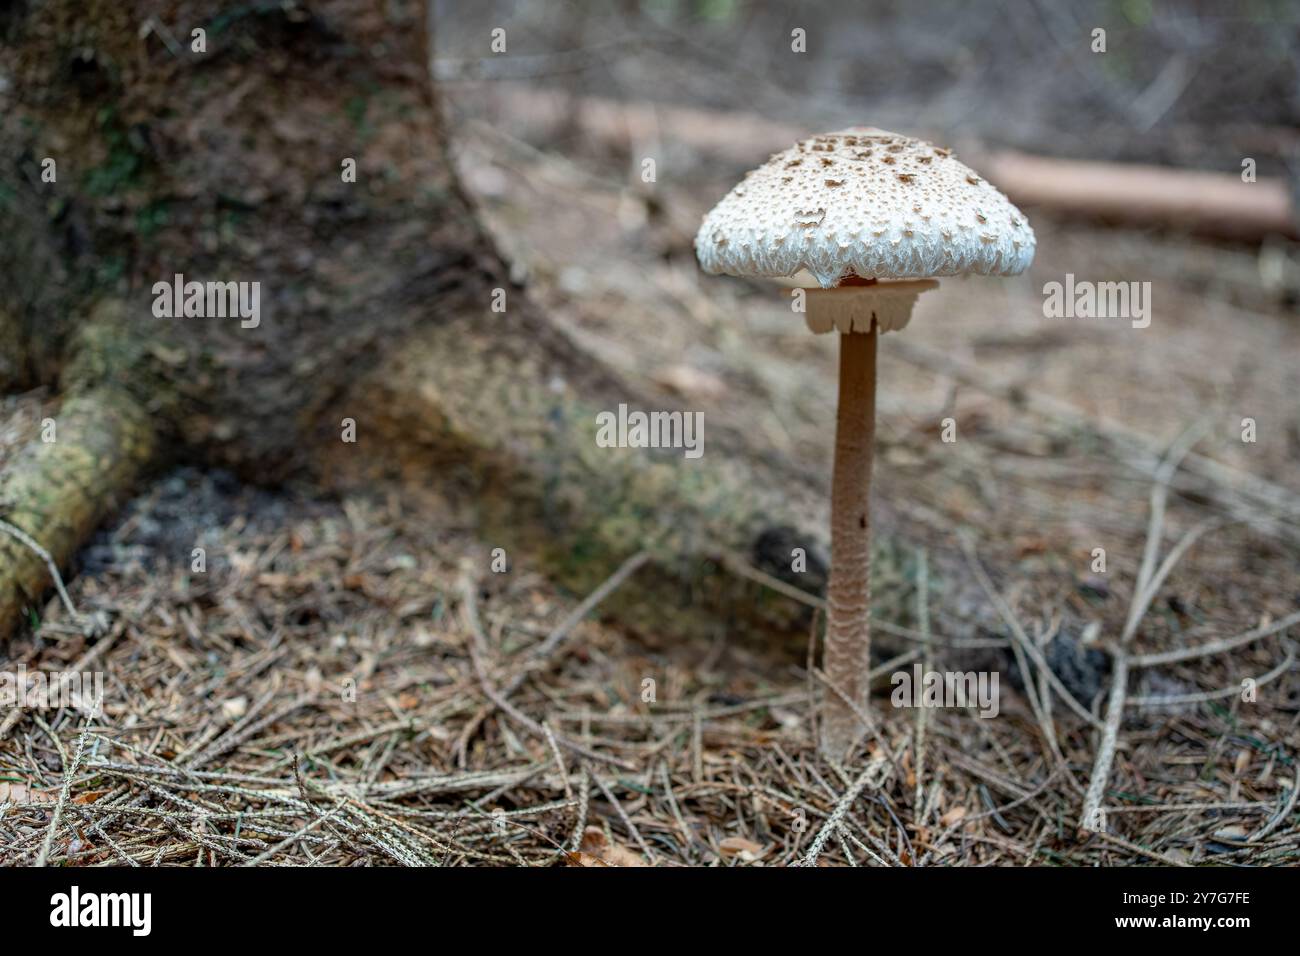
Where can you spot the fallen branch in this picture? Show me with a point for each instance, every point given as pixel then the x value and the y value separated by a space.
pixel 1208 202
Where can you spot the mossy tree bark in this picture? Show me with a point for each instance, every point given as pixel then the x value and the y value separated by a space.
pixel 503 409
pixel 230 164
pixel 59 491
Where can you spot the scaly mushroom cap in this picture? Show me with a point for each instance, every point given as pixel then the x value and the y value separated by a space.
pixel 869 202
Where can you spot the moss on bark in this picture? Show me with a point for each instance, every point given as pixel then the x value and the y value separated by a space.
pixel 504 411
pixel 58 491
pixel 226 166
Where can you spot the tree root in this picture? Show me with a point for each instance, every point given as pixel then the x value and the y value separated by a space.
pixel 509 415
pixel 512 419
pixel 58 491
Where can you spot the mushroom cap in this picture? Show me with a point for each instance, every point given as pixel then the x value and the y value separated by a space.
pixel 865 201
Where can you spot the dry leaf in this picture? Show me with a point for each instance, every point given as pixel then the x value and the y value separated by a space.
pixel 955 815
pixel 22 793
pixel 747 850
pixel 596 850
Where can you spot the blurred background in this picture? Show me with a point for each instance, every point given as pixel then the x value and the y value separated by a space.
pixel 1196 84
pixel 552 139
pixel 1129 132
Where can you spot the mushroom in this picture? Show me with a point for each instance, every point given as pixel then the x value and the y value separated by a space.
pixel 875 220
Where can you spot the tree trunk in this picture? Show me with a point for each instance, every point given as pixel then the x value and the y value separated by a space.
pixel 230 165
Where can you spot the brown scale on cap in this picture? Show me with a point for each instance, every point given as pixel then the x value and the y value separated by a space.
pixel 894 207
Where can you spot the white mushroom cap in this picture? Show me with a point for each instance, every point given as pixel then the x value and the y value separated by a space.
pixel 869 202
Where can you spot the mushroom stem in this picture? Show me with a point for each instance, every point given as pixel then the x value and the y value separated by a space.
pixel 847 659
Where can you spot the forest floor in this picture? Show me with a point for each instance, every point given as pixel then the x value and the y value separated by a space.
pixel 345 683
